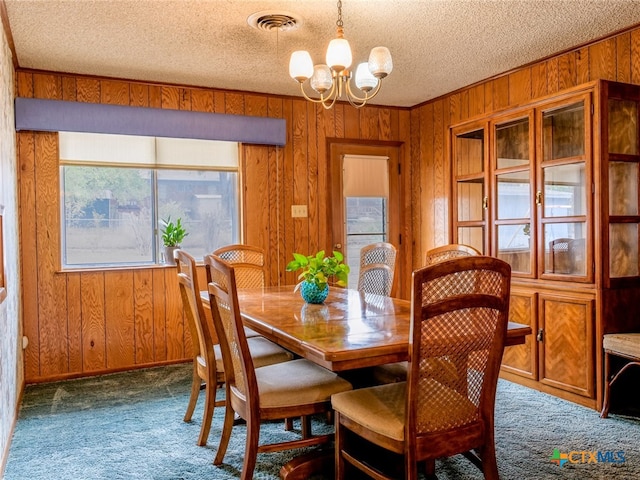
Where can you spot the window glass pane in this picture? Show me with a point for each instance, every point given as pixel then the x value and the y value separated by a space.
pixel 366 223
pixel 514 195
pixel 512 143
pixel 565 248
pixel 564 190
pixel 623 249
pixel 563 132
pixel 623 126
pixel 207 203
pixel 514 246
pixel 623 188
pixel 470 200
pixel 469 153
pixel 472 236
pixel 107 215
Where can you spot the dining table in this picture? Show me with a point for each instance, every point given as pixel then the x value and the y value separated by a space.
pixel 349 331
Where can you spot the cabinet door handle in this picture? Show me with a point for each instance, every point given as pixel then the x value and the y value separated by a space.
pixel 538 197
pixel 540 335
pixel 485 202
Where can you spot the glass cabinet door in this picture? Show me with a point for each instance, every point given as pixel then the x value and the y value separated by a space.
pixel 623 169
pixel 512 183
pixel 471 196
pixel 564 185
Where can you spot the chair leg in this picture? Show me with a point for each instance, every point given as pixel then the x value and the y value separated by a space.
pixel 225 436
pixel 288 424
pixel 207 416
pixel 339 446
pixel 251 449
pixel 196 383
pixel 607 387
pixel 305 424
pixel 430 468
pixel 410 466
pixel 489 463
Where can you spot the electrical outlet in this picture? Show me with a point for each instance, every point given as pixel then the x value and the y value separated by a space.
pixel 299 211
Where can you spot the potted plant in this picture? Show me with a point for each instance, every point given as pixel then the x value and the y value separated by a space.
pixel 316 272
pixel 172 236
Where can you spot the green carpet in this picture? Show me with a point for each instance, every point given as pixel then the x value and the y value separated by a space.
pixel 129 426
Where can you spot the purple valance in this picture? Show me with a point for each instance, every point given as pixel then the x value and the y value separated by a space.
pixel 62 116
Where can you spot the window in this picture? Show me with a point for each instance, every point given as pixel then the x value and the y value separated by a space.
pixel 117 189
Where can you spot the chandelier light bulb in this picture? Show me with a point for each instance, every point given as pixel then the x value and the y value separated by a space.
pixel 300 65
pixel 339 54
pixel 365 81
pixel 380 63
pixel 322 80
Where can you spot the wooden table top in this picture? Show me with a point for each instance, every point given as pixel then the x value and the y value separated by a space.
pixel 349 330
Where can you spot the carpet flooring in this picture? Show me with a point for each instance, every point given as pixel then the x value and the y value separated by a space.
pixel 129 426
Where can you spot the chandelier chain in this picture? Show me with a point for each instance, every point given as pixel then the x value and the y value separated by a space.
pixel 339 23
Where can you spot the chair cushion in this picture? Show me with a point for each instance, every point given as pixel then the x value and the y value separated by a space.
pixel 441 369
pixel 263 351
pixel 382 408
pixel 297 382
pixel 624 343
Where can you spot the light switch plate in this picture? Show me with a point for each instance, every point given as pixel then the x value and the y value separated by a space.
pixel 299 211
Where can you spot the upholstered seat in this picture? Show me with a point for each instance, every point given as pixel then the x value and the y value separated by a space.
pixel 625 345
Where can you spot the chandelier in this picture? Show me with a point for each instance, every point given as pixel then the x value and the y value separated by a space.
pixel 333 80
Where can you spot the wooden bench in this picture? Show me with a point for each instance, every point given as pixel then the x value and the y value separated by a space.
pixel 626 345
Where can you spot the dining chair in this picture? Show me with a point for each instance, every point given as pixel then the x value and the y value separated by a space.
pixel 446 252
pixel 397 372
pixel 459 311
pixel 298 388
pixel 248 262
pixel 377 268
pixel 208 367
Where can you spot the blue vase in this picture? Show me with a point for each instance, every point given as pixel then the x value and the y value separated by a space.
pixel 312 294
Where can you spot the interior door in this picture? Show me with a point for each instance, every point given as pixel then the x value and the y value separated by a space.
pixel 362 217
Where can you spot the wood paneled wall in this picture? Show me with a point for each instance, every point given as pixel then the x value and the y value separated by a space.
pixel 81 323
pixel 84 323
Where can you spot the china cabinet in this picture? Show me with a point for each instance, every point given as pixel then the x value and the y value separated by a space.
pixel 552 188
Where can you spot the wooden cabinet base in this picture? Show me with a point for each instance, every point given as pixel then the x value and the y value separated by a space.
pixel 556 392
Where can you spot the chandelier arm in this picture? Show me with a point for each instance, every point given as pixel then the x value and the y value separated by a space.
pixel 367 96
pixel 323 100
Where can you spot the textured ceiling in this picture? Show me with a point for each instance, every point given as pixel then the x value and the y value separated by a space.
pixel 437 45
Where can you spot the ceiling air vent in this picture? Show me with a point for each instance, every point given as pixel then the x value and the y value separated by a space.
pixel 268 21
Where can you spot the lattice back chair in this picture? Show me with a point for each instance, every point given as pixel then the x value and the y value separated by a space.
pixel 248 264
pixel 561 257
pixel 459 314
pixel 298 388
pixel 208 366
pixel 206 373
pixel 447 252
pixel 397 372
pixel 377 268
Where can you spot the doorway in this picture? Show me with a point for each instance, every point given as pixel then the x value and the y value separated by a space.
pixel 364 182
